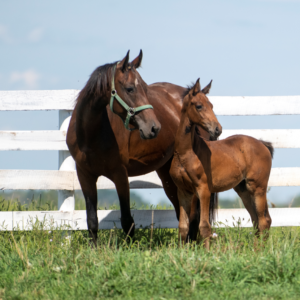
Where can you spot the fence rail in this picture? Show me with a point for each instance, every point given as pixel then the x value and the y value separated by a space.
pixel 65 179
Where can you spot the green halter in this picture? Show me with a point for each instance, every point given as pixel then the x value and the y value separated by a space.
pixel 131 111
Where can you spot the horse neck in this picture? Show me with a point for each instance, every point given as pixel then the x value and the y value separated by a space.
pixel 89 120
pixel 185 135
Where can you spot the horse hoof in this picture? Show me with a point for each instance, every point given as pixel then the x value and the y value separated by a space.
pixel 128 226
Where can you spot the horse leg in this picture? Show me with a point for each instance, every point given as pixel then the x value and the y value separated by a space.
pixel 120 178
pixel 194 218
pixel 248 200
pixel 204 225
pixel 89 188
pixel 169 185
pixel 262 211
pixel 256 204
pixel 184 208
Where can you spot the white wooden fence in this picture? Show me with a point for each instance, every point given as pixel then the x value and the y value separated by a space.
pixel 65 179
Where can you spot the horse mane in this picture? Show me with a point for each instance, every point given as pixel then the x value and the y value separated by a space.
pixel 187 89
pixel 98 83
pixel 96 87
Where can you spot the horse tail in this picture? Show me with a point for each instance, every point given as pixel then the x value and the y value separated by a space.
pixel 269 146
pixel 213 206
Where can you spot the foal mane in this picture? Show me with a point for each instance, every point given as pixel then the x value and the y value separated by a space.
pixel 187 90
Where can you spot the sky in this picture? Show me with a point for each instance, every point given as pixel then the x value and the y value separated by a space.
pixel 248 48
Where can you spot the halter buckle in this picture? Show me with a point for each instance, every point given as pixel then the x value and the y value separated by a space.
pixel 131 111
pixel 113 92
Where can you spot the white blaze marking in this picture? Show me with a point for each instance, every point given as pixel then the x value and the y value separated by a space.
pixel 136 82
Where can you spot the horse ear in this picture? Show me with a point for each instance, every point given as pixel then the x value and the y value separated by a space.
pixel 207 88
pixel 138 60
pixel 124 62
pixel 197 87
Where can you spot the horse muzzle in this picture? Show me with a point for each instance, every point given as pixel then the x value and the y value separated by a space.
pixel 149 132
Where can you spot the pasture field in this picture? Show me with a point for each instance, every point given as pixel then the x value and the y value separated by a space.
pixel 49 265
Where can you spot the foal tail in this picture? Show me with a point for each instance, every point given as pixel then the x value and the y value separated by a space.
pixel 269 146
pixel 213 206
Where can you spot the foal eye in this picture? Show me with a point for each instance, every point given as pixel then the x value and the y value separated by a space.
pixel 129 90
pixel 198 107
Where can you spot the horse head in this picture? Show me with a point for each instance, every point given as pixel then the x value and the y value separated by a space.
pixel 200 110
pixel 129 98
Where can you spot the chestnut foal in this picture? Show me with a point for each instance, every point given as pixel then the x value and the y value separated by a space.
pixel 201 167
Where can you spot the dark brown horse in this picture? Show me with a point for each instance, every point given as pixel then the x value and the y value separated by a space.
pixel 100 144
pixel 201 167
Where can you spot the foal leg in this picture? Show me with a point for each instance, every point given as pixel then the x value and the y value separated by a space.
pixel 204 226
pixel 248 200
pixel 120 178
pixel 264 219
pixel 256 204
pixel 169 185
pixel 194 218
pixel 89 189
pixel 184 207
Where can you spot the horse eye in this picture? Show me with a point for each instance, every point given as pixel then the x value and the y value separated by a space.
pixel 198 107
pixel 129 90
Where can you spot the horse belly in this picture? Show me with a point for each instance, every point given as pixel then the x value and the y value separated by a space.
pixel 225 179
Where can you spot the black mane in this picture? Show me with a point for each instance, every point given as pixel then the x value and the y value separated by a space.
pixel 98 83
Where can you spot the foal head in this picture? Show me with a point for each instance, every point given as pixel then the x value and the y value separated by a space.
pixel 132 89
pixel 200 110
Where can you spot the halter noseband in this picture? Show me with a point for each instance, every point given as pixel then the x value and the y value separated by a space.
pixel 131 111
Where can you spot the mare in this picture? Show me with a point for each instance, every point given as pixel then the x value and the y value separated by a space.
pixel 101 146
pixel 201 167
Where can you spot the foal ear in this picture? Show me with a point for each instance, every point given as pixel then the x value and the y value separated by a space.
pixel 207 88
pixel 124 62
pixel 138 60
pixel 197 87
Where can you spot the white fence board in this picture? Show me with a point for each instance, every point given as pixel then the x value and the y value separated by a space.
pixel 56 139
pixel 109 219
pixel 38 100
pixel 278 177
pixel 33 140
pixel 258 105
pixel 67 180
pixel 284 177
pixel 36 180
pixel 280 138
pixel 223 105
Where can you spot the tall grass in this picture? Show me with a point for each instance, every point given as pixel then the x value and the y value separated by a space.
pixel 49 265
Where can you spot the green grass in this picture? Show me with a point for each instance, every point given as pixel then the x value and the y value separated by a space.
pixel 46 265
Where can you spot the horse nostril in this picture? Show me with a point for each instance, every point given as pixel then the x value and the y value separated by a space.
pixel 218 131
pixel 155 130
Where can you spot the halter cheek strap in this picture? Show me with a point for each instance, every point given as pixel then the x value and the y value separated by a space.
pixel 131 111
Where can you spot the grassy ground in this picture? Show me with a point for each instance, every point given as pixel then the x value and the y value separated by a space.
pixel 47 265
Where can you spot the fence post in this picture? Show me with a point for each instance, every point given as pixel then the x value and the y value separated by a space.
pixel 66 199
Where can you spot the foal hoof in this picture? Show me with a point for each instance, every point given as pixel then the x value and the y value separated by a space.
pixel 214 235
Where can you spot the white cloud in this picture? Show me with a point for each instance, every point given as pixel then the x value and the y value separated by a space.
pixel 29 78
pixel 36 34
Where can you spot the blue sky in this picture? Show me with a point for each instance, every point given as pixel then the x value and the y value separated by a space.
pixel 248 48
